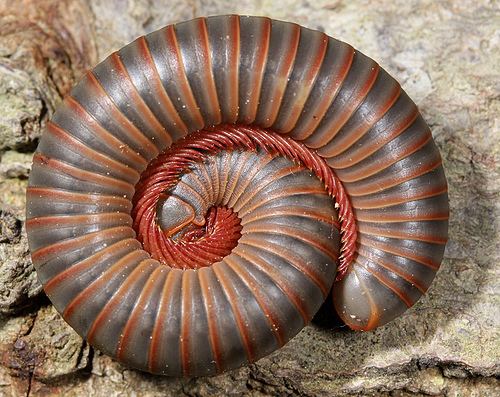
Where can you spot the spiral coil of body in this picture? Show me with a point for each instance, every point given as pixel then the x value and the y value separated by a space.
pixel 243 76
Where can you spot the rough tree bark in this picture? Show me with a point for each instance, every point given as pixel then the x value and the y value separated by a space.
pixel 445 54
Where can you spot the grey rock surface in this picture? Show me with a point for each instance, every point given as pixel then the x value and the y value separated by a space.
pixel 446 56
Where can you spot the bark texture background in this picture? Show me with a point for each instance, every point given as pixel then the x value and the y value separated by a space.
pixel 446 54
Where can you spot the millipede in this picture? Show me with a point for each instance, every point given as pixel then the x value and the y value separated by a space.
pixel 200 193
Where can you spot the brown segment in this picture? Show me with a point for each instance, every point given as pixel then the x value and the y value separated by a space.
pixel 303 212
pixel 184 340
pixel 268 111
pixel 378 229
pixel 107 312
pixel 215 338
pixel 161 319
pixel 81 175
pixel 131 91
pixel 249 195
pixel 75 197
pixel 274 324
pixel 297 234
pixel 247 209
pixel 423 193
pixel 142 303
pixel 245 182
pixel 57 197
pixel 393 249
pixel 295 261
pixel 129 174
pixel 177 67
pixel 410 278
pixel 100 282
pixel 44 254
pixel 340 118
pixel 393 180
pixel 342 143
pixel 87 263
pixel 388 283
pixel 364 151
pixel 105 136
pixel 233 70
pixel 208 77
pixel 367 169
pixel 250 102
pixel 232 297
pixel 274 274
pixel 151 73
pixel 379 217
pixel 329 94
pixel 309 77
pixel 61 221
pixel 107 104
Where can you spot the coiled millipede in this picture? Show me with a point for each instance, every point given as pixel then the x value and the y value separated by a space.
pixel 184 202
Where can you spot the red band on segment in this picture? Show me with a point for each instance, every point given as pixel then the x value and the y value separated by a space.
pixel 206 245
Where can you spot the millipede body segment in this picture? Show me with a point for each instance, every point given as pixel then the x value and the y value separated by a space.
pixel 203 190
